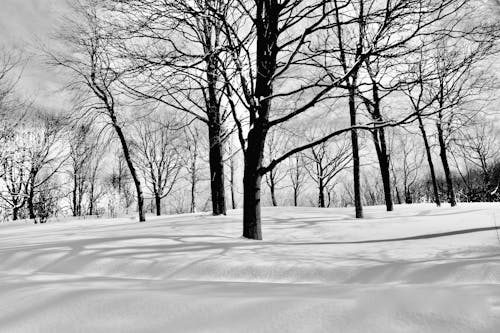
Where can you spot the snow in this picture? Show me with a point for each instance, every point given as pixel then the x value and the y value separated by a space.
pixel 418 269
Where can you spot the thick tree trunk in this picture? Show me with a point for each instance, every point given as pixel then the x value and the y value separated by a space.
pixel 355 153
pixel 158 204
pixel 295 197
pixel 133 172
pixel 429 160
pixel 252 179
pixel 446 166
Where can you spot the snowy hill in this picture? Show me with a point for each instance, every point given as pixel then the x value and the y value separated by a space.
pixel 419 269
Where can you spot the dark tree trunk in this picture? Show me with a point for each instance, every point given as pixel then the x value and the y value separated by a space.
pixel 321 194
pixel 272 188
pixel 233 194
pixel 217 171
pixel 91 200
pixel 429 160
pixel 383 160
pixel 295 197
pixel 74 192
pixel 267 14
pixel 252 180
pixel 446 166
pixel 355 152
pixel 214 132
pixel 192 208
pixel 31 194
pixel 15 213
pixel 381 148
pixel 133 172
pixel 158 204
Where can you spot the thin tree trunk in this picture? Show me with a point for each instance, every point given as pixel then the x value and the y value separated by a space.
pixel 272 188
pixel 133 172
pixel 429 160
pixel 31 194
pixel 75 212
pixel 446 166
pixel 193 185
pixel 355 153
pixel 232 183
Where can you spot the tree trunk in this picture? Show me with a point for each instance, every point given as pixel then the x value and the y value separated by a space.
pixel 133 172
pixel 91 200
pixel 272 188
pixel 233 194
pixel 429 160
pixel 355 153
pixel 15 213
pixel 31 195
pixel 252 179
pixel 74 193
pixel 321 194
pixel 446 166
pixel 192 208
pixel 158 204
pixel 215 133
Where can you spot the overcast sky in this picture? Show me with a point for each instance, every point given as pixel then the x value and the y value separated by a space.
pixel 22 23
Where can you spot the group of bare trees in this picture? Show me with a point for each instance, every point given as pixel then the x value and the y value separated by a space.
pixel 312 90
pixel 256 69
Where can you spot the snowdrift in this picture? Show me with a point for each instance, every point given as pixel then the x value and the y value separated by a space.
pixel 418 269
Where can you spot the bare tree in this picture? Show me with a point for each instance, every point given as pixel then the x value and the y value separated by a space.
pixel 297 173
pixel 96 75
pixel 283 51
pixel 174 49
pixel 160 161
pixel 326 161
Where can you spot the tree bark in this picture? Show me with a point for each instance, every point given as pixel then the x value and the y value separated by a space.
pixel 214 131
pixel 321 194
pixel 31 194
pixel 252 180
pixel 272 188
pixel 446 166
pixel 15 213
pixel 355 152
pixel 429 160
pixel 133 172
pixel 158 204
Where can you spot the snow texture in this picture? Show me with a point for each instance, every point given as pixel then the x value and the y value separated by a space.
pixel 419 269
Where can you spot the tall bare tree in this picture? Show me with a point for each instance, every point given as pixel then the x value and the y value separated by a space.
pixel 88 57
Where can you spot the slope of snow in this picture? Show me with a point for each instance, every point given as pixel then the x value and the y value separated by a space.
pixel 419 269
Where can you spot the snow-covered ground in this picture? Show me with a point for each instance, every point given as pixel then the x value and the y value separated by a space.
pixel 419 269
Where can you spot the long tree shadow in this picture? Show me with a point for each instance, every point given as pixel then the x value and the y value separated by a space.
pixel 417 237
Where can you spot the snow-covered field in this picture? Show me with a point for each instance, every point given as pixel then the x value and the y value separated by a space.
pixel 419 269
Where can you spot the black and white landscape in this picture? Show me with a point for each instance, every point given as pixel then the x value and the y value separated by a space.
pixel 249 166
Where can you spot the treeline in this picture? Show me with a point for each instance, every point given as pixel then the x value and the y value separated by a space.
pixel 295 95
